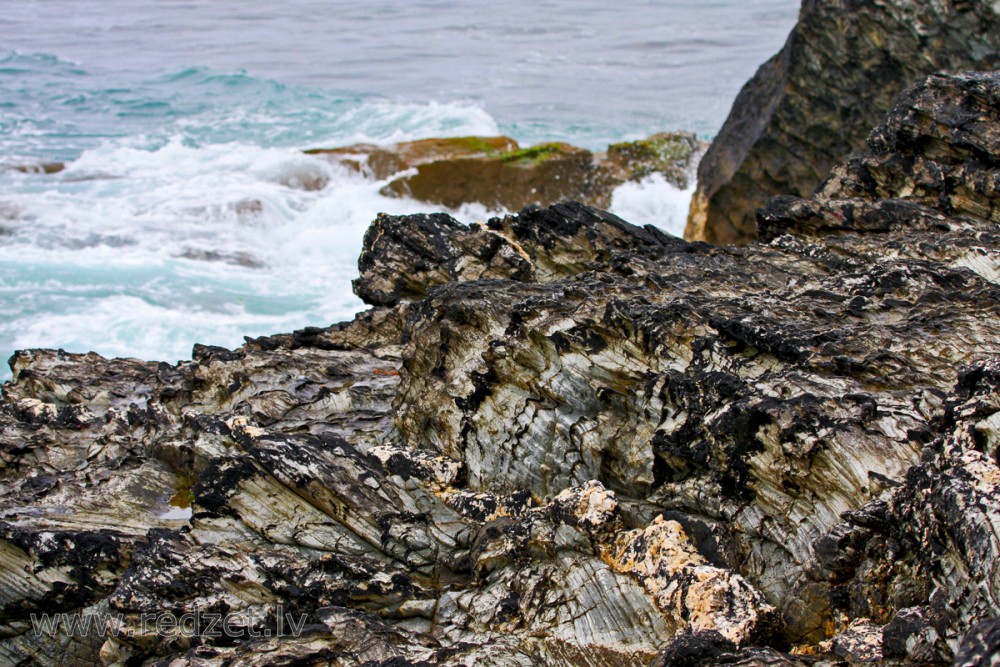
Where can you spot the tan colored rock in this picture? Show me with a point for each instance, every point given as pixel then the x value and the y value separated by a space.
pixel 687 588
pixel 39 168
pixel 591 506
pixel 496 172
pixel 381 162
pixel 512 180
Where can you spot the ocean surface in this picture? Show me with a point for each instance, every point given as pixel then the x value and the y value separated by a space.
pixel 182 215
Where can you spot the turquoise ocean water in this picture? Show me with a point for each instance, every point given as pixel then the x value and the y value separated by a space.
pixel 182 215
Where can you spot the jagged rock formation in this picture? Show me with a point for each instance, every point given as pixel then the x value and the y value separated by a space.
pixel 817 99
pixel 981 648
pixel 558 438
pixel 496 172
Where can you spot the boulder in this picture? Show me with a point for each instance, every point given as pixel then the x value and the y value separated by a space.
pixel 496 172
pixel 403 257
pixel 670 154
pixel 542 174
pixel 817 99
pixel 37 168
pixel 381 162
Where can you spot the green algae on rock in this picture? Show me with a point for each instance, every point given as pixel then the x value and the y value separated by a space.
pixel 381 162
pixel 496 172
pixel 667 153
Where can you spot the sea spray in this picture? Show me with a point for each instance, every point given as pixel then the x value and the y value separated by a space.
pixel 134 252
pixel 187 213
pixel 654 201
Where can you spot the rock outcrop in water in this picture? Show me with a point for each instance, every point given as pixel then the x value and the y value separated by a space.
pixel 499 174
pixel 558 438
pixel 816 100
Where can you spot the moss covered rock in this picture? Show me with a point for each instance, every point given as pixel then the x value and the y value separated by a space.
pixel 381 162
pixel 500 174
pixel 667 153
pixel 511 180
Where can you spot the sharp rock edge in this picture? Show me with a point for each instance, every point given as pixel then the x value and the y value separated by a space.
pixel 558 438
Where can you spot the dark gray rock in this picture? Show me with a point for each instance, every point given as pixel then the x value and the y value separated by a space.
pixel 981 647
pixel 405 256
pixel 559 439
pixel 699 649
pixel 816 100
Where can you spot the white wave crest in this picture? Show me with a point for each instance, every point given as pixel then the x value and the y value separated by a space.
pixel 143 251
pixel 654 201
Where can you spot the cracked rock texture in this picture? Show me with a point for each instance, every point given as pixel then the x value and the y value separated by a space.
pixel 817 99
pixel 557 438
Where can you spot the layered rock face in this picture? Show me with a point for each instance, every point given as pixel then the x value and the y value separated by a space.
pixel 558 438
pixel 816 100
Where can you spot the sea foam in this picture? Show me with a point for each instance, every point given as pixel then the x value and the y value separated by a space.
pixel 141 252
pixel 654 201
pixel 195 216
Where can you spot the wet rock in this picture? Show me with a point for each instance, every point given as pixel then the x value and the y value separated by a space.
pixel 243 259
pixel 398 264
pixel 496 172
pixel 556 438
pixel 816 100
pixel 541 174
pixel 38 168
pixel 381 162
pixel 670 154
pixel 403 257
pixel 918 633
pixel 696 649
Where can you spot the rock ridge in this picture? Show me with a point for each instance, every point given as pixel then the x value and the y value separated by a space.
pixel 558 438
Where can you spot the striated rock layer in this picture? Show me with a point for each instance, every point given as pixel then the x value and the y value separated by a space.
pixel 817 99
pixel 558 438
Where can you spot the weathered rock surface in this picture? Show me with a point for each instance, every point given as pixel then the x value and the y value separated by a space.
pixel 496 172
pixel 561 439
pixel 981 647
pixel 405 256
pixel 816 100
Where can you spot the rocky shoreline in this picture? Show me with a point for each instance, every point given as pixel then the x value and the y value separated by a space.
pixel 557 438
pixel 817 99
pixel 494 172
